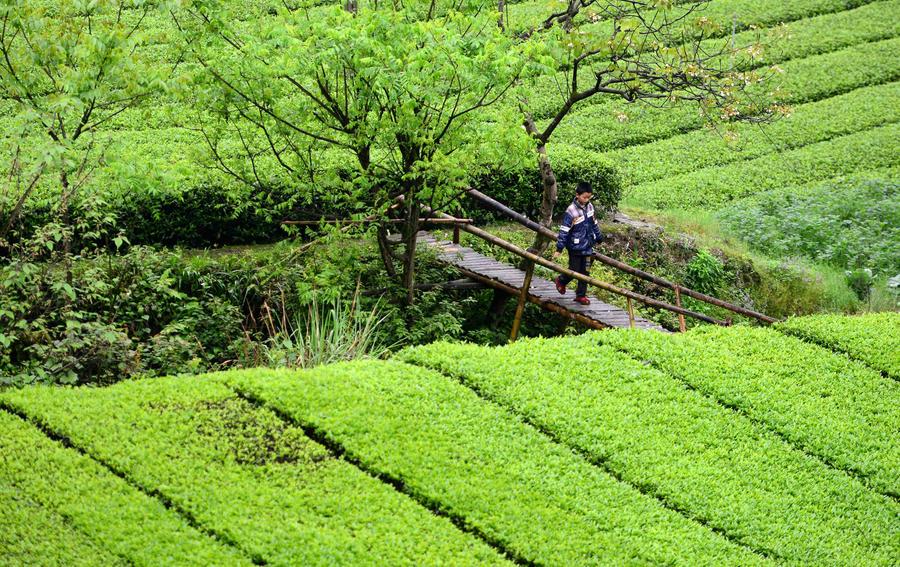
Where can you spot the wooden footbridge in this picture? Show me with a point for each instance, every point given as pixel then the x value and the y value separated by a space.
pixel 498 275
pixel 522 283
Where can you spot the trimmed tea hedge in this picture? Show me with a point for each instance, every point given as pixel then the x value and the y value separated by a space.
pixel 690 451
pixel 247 476
pixel 612 124
pixel 475 460
pixel 809 123
pixel 35 536
pixel 834 408
pixel 713 187
pixel 873 338
pixel 100 517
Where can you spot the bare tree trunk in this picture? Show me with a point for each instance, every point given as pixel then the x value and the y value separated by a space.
pixel 549 192
pixel 501 6
pixel 66 221
pixel 386 254
pixel 409 258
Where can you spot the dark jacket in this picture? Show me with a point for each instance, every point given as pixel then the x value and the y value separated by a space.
pixel 579 230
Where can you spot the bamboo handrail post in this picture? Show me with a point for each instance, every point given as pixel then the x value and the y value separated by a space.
pixel 681 326
pixel 520 307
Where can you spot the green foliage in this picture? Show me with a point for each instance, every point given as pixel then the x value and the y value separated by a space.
pixel 808 123
pixel 476 461
pixel 330 331
pixel 118 317
pixel 850 223
pixel 687 449
pixel 873 338
pixel 520 187
pixel 33 535
pixel 402 92
pixel 834 408
pixel 95 516
pixel 705 273
pixel 615 124
pixel 248 477
pixel 713 187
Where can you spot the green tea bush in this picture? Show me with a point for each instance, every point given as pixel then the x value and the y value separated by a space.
pixel 33 535
pixel 850 223
pixel 807 124
pixel 100 518
pixel 872 338
pixel 617 124
pixel 259 484
pixel 836 409
pixel 713 187
pixel 477 462
pixel 688 450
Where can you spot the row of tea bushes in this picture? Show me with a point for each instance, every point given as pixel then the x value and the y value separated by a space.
pixel 60 507
pixel 709 462
pixel 713 187
pixel 810 123
pixel 613 124
pixel 873 339
pixel 476 461
pixel 836 409
pixel 249 478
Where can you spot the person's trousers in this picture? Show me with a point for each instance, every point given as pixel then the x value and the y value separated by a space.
pixel 582 265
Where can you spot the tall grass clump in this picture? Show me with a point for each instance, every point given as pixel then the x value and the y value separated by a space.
pixel 331 330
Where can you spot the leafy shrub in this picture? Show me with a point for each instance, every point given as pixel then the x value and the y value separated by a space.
pixel 244 474
pixel 851 223
pixel 701 457
pixel 873 338
pixel 476 461
pixel 705 273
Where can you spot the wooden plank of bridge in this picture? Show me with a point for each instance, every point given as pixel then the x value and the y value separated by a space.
pixel 542 291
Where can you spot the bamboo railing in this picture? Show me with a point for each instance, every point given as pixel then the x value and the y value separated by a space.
pixel 612 262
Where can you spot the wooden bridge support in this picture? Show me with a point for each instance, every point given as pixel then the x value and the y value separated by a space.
pixel 523 295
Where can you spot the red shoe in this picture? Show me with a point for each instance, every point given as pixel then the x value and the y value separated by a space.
pixel 559 286
pixel 582 300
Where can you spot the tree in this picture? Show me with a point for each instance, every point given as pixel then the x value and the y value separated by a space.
pixel 641 51
pixel 402 88
pixel 66 67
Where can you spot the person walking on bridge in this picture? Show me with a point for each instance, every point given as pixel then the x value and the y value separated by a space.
pixel 578 233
